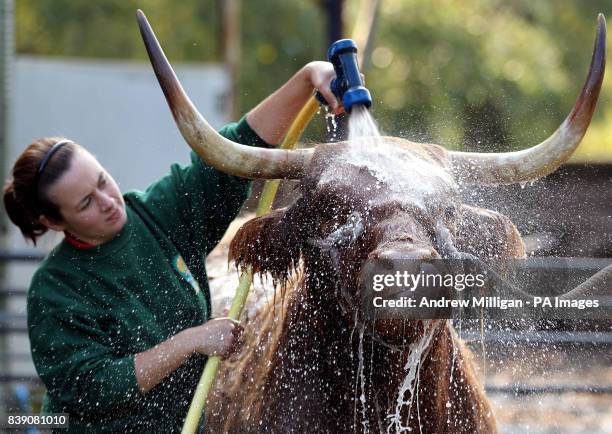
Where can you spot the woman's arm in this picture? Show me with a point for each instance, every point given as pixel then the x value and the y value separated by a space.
pixel 271 118
pixel 194 204
pixel 215 337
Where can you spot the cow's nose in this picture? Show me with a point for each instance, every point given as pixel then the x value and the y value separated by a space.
pixel 399 273
pixel 412 259
pixel 394 252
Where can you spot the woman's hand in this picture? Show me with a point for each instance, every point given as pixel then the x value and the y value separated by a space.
pixel 321 75
pixel 217 337
pixel 271 118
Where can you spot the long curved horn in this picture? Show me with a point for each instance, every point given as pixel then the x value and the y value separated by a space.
pixel 216 150
pixel 545 158
pixel 597 285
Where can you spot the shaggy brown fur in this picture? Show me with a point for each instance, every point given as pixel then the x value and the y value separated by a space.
pixel 310 361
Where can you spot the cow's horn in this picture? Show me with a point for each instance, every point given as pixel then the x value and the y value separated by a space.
pixel 597 285
pixel 219 152
pixel 545 158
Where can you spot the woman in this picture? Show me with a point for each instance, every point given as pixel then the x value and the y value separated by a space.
pixel 118 313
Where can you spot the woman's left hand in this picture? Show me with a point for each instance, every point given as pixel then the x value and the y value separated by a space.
pixel 217 337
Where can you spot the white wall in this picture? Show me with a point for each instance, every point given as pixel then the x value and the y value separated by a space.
pixel 115 109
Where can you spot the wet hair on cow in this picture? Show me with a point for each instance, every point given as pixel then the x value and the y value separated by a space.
pixel 26 192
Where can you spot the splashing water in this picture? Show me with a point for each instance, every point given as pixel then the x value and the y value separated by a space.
pixel 363 134
pixel 330 122
pixel 362 385
pixel 362 128
pixel 369 150
pixel 410 383
pixel 390 165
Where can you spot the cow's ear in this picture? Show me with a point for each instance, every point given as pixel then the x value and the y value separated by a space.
pixel 487 234
pixel 267 245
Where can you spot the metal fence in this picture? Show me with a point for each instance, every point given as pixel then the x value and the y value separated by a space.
pixel 18 392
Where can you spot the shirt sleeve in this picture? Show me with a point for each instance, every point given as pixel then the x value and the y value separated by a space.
pixel 195 203
pixel 73 356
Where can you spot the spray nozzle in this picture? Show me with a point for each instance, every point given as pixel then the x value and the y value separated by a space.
pixel 348 85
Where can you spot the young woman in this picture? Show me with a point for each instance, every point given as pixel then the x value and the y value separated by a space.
pixel 118 313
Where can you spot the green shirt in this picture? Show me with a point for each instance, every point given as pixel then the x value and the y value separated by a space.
pixel 91 310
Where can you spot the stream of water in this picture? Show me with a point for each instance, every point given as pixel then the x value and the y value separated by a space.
pixel 364 137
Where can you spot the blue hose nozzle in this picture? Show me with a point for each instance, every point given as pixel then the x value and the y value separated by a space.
pixel 348 85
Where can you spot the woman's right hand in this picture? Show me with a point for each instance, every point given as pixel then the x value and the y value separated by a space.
pixel 320 75
pixel 217 337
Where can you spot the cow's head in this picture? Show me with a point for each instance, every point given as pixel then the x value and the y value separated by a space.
pixel 389 199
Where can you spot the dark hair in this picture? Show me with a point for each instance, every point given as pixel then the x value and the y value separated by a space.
pixel 26 194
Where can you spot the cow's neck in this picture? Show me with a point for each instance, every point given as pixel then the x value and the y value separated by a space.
pixel 323 367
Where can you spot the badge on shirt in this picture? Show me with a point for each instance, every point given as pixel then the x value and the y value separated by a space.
pixel 181 267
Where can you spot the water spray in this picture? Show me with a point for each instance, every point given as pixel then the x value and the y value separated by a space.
pixel 348 85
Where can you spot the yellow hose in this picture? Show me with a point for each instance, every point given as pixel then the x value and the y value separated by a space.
pixel 263 207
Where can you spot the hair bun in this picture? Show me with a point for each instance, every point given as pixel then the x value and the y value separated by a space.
pixel 20 214
pixel 26 195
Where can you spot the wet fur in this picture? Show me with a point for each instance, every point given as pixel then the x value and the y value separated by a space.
pixel 298 369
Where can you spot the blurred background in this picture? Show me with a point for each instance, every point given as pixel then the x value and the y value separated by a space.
pixel 486 75
pixel 477 73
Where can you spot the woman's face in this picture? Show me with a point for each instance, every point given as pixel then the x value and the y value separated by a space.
pixel 89 201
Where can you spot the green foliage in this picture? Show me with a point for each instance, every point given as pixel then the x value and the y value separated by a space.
pixel 477 74
pixel 482 74
pixel 278 37
pixel 107 28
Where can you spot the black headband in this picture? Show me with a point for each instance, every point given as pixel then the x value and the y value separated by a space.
pixel 45 160
pixel 52 150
